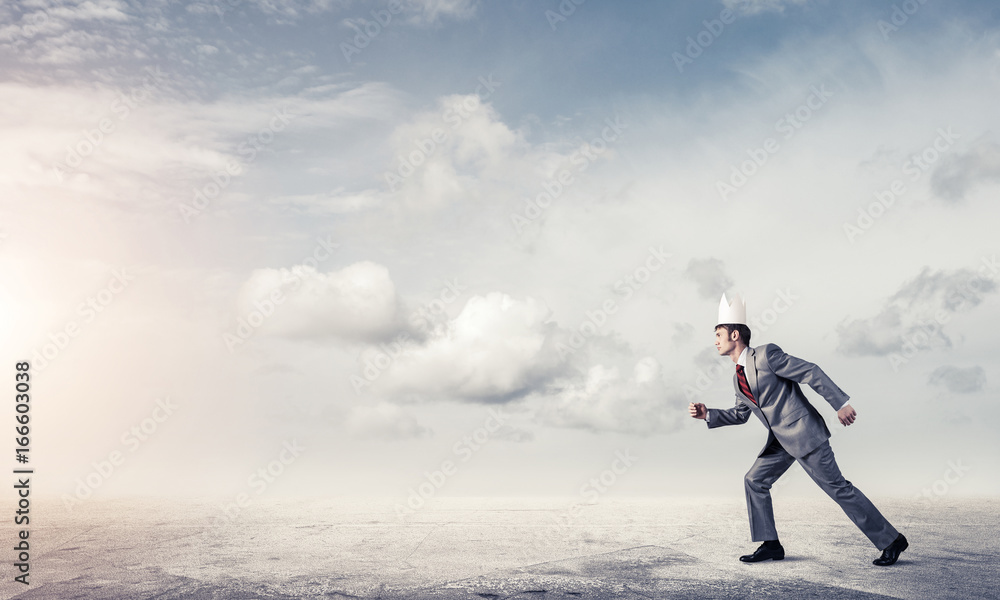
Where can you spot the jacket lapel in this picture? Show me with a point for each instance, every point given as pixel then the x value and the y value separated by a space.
pixel 751 373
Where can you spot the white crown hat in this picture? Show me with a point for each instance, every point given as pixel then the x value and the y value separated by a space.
pixel 733 312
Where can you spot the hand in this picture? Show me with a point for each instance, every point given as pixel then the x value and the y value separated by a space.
pixel 698 410
pixel 847 415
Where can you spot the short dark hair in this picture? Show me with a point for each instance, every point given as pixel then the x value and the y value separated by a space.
pixel 740 328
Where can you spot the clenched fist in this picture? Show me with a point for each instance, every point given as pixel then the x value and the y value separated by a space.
pixel 698 410
pixel 847 415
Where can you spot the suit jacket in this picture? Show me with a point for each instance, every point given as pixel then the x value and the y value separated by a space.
pixel 774 379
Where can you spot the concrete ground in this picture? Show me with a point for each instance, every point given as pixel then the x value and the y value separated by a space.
pixel 497 548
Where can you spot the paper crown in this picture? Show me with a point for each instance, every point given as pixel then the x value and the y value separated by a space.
pixel 733 312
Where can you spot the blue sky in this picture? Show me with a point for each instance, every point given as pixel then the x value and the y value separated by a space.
pixel 368 256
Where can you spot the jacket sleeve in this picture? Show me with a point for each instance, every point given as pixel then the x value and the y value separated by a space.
pixel 736 415
pixel 802 371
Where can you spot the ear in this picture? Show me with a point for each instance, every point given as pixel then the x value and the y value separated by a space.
pixel 734 335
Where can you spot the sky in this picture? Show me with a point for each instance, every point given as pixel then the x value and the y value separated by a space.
pixel 430 248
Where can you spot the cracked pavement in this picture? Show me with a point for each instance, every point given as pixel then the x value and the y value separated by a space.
pixel 460 548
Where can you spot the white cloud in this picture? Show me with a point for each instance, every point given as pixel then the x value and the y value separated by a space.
pixel 921 307
pixel 431 11
pixel 384 421
pixel 752 7
pixel 462 152
pixel 334 202
pixel 358 302
pixel 75 46
pixel 289 10
pixel 959 380
pixel 207 49
pixel 709 274
pixel 417 12
pixel 447 155
pixel 155 148
pixel 961 173
pixel 101 10
pixel 497 348
pixel 606 401
pixel 56 35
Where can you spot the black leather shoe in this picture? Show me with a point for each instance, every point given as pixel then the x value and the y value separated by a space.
pixel 765 552
pixel 892 552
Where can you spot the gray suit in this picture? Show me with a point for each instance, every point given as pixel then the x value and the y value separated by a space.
pixel 796 431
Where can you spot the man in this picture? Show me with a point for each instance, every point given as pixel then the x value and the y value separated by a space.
pixel 767 385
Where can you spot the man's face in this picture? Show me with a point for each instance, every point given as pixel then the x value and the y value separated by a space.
pixel 724 341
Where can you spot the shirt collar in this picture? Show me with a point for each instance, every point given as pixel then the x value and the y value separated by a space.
pixel 742 360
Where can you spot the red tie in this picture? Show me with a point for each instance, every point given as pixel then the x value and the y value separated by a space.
pixel 744 385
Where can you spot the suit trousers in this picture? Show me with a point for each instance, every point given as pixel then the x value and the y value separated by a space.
pixel 821 466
